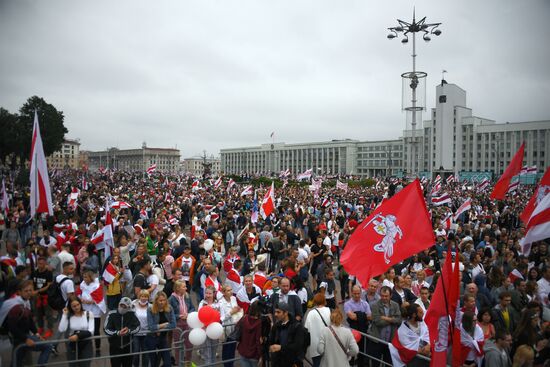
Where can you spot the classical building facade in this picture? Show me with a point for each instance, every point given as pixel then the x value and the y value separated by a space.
pixel 195 165
pixel 67 157
pixel 166 159
pixel 452 140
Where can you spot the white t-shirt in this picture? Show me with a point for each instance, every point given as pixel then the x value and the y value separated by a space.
pixel 153 279
pixel 302 254
pixel 66 287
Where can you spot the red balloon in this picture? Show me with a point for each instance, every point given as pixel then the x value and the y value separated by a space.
pixel 208 315
pixel 356 335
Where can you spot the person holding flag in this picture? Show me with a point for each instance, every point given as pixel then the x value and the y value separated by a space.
pixel 93 301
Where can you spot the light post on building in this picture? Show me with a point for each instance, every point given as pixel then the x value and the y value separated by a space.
pixel 414 79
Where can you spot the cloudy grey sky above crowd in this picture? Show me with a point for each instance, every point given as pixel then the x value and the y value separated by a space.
pixel 206 75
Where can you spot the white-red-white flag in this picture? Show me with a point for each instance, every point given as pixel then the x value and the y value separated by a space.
pixel 120 205
pixel 467 205
pixel 218 182
pixel 5 205
pixel 93 292
pixel 341 185
pixel 285 173
pixel 109 274
pixel 230 184
pixel 437 179
pixel 152 168
pixel 435 188
pixel 41 193
pixel 72 201
pixel 195 185
pixel 406 342
pixel 542 189
pixel 441 200
pixel 305 175
pixel 538 226
pixel 108 232
pixel 247 191
pixel 268 203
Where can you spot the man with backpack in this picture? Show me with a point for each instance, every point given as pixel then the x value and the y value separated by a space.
pixel 58 295
pixel 140 279
pixel 288 339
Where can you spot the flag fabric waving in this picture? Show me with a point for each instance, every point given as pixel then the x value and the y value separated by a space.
pixel 247 190
pixel 305 175
pixel 41 193
pixel 538 225
pixel 397 229
pixel 443 199
pixel 341 185
pixel 109 274
pixel 230 184
pixel 467 205
pixel 442 309
pixel 73 199
pixel 152 168
pixel 254 214
pixel 542 189
pixel 268 203
pixel 108 232
pixel 514 168
pixel 5 204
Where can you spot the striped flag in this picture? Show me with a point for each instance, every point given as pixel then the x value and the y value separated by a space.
pixel 441 200
pixel 483 185
pixel 152 168
pixel 341 185
pixel 528 170
pixel 109 274
pixel 437 179
pixel 285 174
pixel 195 185
pixel 73 199
pixel 41 193
pixel 513 187
pixel 5 204
pixel 538 226
pixel 120 205
pixel 305 175
pixel 450 179
pixel 247 190
pixel 254 214
pixel 218 182
pixel 436 187
pixel 467 205
pixel 230 184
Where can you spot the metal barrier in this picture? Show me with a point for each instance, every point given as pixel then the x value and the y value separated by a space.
pixel 104 359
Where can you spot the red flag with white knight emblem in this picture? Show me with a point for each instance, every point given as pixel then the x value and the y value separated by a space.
pixel 397 229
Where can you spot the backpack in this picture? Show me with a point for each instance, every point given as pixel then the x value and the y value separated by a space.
pixel 129 288
pixel 55 295
pixel 307 339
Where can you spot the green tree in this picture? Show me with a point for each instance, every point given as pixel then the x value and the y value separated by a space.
pixel 52 128
pixel 8 137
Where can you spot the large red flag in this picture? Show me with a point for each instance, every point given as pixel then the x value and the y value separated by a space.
pixel 41 194
pixel 541 190
pixel 397 229
pixel 514 168
pixel 442 310
pixel 268 203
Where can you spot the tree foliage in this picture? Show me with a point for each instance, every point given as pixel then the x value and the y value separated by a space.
pixel 16 136
pixel 52 127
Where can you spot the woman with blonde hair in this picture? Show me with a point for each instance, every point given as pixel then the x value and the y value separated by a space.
pixel 208 351
pixel 524 357
pixel 182 306
pixel 337 343
pixel 160 316
pixel 141 305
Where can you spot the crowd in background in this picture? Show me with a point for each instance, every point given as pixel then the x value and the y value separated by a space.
pixel 277 282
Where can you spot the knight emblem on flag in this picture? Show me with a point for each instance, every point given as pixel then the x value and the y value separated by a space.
pixel 386 226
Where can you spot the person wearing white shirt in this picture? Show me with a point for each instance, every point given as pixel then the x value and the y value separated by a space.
pixel 80 325
pixel 317 319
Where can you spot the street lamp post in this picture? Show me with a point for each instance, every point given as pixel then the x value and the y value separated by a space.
pixel 414 77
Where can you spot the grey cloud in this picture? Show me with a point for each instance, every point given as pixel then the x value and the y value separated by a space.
pixel 215 74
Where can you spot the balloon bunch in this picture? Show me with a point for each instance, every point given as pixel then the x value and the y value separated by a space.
pixel 205 323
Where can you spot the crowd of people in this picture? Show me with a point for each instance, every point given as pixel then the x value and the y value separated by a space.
pixel 180 244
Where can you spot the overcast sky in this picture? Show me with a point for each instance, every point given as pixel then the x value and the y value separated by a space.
pixel 205 75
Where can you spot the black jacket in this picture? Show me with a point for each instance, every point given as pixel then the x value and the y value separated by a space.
pixel 409 296
pixel 292 351
pixel 294 303
pixel 116 322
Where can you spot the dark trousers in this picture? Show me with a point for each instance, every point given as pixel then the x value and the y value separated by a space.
pixel 154 342
pixel 228 352
pixel 97 329
pixel 120 361
pixel 138 345
pixel 112 301
pixel 21 351
pixel 379 351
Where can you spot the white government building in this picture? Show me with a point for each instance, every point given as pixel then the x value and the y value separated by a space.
pixel 453 140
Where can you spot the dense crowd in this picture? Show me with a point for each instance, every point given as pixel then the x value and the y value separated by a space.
pixel 179 245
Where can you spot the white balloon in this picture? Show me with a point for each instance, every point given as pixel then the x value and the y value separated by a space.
pixel 193 320
pixel 214 330
pixel 197 336
pixel 208 244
